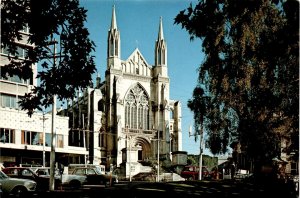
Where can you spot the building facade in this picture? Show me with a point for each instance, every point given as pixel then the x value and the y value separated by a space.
pixel 26 140
pixel 141 119
pixel 124 121
pixel 129 117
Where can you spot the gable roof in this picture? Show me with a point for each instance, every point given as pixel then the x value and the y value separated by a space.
pixel 137 57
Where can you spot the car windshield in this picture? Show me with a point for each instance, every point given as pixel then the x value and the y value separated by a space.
pixel 3 175
pixel 98 171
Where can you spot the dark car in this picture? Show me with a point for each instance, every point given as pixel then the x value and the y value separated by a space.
pixel 28 173
pixel 95 177
pixel 192 172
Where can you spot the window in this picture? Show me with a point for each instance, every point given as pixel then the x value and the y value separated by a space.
pixel 59 141
pixel 31 138
pixel 21 52
pixel 137 108
pixel 294 168
pixel 15 78
pixel 7 135
pixel 90 172
pixel 116 47
pixel 111 47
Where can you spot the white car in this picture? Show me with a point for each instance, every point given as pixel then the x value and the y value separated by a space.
pixel 73 181
pixel 17 187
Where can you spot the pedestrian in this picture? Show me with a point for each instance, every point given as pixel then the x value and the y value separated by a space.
pixel 232 170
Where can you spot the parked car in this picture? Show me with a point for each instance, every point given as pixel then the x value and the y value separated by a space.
pixel 192 172
pixel 16 187
pixel 67 180
pixel 101 168
pixel 28 173
pixel 94 176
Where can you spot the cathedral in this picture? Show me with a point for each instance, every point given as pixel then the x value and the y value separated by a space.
pixel 126 121
pixel 139 121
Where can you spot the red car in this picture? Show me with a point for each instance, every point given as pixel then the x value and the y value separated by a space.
pixel 192 172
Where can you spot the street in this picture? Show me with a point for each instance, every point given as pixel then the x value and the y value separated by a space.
pixel 185 189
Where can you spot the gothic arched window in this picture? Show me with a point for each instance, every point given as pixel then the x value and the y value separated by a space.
pixel 137 108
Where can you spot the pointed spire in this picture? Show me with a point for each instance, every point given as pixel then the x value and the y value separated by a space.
pixel 113 20
pixel 160 31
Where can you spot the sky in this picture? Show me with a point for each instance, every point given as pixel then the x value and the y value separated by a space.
pixel 138 22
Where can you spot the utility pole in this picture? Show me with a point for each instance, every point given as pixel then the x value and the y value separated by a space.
pixel 53 141
pixel 53 133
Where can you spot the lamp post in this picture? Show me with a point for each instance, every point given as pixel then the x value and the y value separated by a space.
pixel 44 139
pixel 157 156
pixel 128 145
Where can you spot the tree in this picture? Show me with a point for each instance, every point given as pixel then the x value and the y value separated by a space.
pixel 250 73
pixel 48 21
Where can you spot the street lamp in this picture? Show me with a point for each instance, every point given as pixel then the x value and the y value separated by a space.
pixel 157 155
pixel 44 139
pixel 128 145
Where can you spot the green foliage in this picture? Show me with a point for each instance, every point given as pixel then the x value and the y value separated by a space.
pixel 250 73
pixel 48 20
pixel 207 161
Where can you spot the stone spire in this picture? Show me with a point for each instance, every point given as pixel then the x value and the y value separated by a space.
pixel 160 47
pixel 113 20
pixel 160 31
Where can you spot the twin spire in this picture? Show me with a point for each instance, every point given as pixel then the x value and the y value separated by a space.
pixel 114 42
pixel 160 30
pixel 113 20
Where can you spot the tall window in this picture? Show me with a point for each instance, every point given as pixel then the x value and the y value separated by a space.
pixel 116 47
pixel 31 138
pixel 111 47
pixel 7 135
pixel 137 108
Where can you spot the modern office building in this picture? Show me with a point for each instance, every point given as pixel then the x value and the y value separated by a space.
pixel 25 140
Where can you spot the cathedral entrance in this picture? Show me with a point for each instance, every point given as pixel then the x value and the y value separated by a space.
pixel 143 148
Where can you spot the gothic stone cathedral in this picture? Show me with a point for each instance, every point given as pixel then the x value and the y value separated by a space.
pixel 131 112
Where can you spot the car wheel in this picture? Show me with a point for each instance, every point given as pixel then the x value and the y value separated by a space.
pixel 75 184
pixel 19 191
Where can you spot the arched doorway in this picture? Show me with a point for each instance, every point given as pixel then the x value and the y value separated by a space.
pixel 143 148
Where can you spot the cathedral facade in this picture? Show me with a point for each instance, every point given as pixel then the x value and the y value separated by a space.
pixel 139 120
